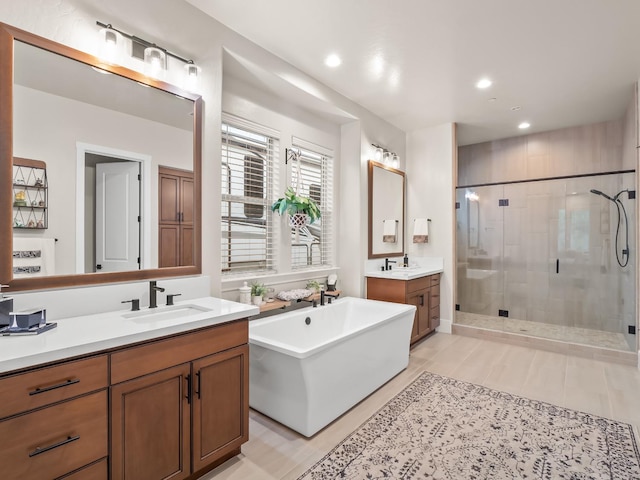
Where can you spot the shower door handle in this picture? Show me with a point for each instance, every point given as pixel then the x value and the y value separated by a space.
pixel 557 265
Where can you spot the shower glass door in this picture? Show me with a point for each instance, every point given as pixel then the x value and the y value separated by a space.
pixel 544 263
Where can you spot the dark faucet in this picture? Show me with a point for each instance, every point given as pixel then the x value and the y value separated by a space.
pixel 387 262
pixel 153 292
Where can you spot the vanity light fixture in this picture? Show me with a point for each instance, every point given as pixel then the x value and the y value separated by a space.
pixel 154 56
pixel 386 157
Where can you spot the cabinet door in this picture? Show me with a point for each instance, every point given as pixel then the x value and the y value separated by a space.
pixel 169 245
pixel 150 426
pixel 421 300
pixel 169 199
pixel 186 200
pixel 221 405
pixel 186 245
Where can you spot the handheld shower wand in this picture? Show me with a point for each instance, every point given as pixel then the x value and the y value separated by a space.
pixel 598 192
pixel 619 205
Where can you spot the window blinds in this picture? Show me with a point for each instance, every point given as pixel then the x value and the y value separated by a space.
pixel 248 179
pixel 312 245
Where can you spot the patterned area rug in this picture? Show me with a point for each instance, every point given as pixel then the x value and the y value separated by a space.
pixel 443 428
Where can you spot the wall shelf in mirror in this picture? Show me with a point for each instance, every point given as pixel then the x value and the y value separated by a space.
pixel 30 194
pixel 50 92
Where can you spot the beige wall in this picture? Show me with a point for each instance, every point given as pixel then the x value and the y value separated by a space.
pixel 595 148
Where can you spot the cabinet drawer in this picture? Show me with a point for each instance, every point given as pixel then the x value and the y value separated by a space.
pixel 434 317
pixel 95 471
pixel 434 297
pixel 23 392
pixel 387 290
pixel 434 279
pixel 137 361
pixel 55 440
pixel 418 284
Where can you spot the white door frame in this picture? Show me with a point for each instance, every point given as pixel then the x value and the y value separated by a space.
pixel 145 228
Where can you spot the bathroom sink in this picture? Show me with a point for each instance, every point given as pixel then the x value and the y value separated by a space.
pixel 166 313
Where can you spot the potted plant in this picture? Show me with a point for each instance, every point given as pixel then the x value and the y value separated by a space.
pixel 257 292
pixel 298 208
pixel 314 285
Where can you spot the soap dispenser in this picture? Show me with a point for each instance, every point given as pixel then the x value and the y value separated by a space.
pixel 6 307
pixel 405 260
pixel 245 294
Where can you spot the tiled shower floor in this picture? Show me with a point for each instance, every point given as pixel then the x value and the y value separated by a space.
pixel 584 336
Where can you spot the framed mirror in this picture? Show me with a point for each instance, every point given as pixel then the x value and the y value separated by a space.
pixel 386 211
pixel 117 184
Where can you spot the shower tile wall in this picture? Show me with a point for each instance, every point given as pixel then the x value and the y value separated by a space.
pixel 596 148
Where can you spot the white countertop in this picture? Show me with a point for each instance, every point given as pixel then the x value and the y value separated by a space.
pixel 92 333
pixel 402 273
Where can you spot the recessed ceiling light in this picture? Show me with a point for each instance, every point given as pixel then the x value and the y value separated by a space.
pixel 484 83
pixel 332 60
pixel 524 125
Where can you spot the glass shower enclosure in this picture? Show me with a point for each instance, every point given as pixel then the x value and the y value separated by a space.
pixel 550 258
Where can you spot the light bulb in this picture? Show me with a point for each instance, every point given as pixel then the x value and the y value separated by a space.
pixel 377 156
pixel 154 62
pixel 111 45
pixel 395 160
pixel 192 75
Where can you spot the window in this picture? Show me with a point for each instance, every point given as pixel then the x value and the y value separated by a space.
pixel 312 176
pixel 248 179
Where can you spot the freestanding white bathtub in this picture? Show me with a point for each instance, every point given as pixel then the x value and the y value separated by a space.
pixel 309 366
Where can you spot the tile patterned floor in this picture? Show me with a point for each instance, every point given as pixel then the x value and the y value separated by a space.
pixel 601 388
pixel 583 336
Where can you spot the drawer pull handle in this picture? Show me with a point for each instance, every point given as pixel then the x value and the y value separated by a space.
pixel 40 450
pixel 66 383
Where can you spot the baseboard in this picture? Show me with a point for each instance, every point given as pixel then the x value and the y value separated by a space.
pixel 445 327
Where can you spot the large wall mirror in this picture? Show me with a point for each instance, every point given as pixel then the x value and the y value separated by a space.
pixel 386 211
pixel 93 158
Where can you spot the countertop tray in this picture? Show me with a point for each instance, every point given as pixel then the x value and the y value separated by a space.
pixel 7 332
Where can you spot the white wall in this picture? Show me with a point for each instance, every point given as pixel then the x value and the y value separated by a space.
pixel 47 128
pixel 183 29
pixel 431 164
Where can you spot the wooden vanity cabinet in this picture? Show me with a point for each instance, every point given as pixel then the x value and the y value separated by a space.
pixel 423 292
pixel 180 406
pixel 54 421
pixel 176 407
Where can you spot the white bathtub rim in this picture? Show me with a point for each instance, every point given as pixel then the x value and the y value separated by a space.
pixel 290 350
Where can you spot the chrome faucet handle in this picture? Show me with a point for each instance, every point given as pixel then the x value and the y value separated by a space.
pixel 170 298
pixel 135 304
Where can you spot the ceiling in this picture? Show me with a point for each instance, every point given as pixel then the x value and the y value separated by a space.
pixel 415 62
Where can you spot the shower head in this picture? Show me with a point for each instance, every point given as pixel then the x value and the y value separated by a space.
pixel 598 192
